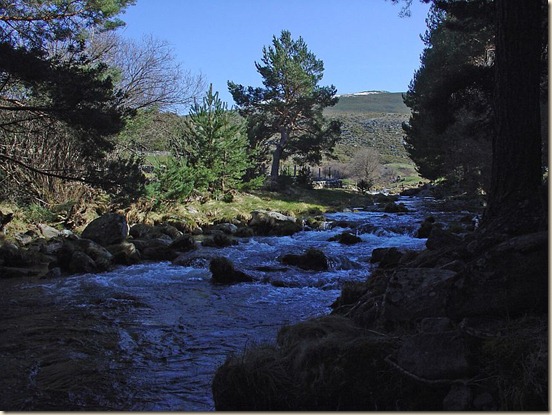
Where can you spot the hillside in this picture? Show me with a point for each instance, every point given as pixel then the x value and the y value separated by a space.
pixel 369 101
pixel 373 119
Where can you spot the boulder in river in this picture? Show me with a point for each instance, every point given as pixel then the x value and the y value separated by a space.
pixel 346 238
pixel 387 257
pixel 223 272
pixel 108 229
pixel 313 259
pixel 218 240
pixel 124 253
pixel 183 243
pixel 273 223
pixel 393 207
pixel 425 228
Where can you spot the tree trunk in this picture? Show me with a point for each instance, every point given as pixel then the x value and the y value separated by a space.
pixel 517 150
pixel 277 155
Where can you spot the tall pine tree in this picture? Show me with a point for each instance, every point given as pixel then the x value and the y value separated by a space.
pixel 288 109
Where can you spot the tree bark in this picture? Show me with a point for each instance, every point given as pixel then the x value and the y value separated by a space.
pixel 277 155
pixel 517 146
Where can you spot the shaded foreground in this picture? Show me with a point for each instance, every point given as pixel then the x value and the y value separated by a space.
pixel 462 325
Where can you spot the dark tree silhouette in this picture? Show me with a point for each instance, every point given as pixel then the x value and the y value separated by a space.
pixel 517 149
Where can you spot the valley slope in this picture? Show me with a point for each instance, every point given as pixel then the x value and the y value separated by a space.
pixel 373 119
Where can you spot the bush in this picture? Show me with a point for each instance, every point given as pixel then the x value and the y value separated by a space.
pixel 364 185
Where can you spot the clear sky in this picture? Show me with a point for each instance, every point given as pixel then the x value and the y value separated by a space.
pixel 364 44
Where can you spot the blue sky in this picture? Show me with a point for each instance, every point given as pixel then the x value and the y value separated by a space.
pixel 364 44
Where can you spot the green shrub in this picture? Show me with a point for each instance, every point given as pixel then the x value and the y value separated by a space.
pixel 38 213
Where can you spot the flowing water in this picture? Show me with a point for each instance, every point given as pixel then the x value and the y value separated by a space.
pixel 150 336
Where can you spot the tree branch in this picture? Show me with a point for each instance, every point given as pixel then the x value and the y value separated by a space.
pixel 44 172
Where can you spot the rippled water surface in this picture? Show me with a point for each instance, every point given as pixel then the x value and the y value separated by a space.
pixel 150 336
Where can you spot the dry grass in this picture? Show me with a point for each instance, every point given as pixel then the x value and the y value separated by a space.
pixel 517 363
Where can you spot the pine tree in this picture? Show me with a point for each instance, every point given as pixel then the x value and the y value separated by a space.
pixel 287 111
pixel 214 145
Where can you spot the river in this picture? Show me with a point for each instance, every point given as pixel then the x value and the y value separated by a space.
pixel 149 337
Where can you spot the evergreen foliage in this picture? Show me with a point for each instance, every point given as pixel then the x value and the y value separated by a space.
pixel 285 116
pixel 449 132
pixel 211 153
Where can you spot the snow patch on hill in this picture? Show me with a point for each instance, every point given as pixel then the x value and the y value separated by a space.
pixel 363 93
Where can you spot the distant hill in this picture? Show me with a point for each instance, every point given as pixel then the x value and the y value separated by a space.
pixel 371 119
pixel 370 101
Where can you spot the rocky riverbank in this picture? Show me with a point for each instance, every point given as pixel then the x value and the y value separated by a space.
pixel 462 325
pixel 108 241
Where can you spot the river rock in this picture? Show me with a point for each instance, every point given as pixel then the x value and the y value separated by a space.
pixel 80 263
pixel 346 238
pixel 459 398
pixel 227 228
pixel 245 232
pixel 261 217
pixel 156 249
pixel 411 192
pixel 108 229
pixel 143 244
pixel 223 272
pixel 387 257
pixel 218 240
pixel 198 258
pixel 415 293
pixel 393 207
pixel 183 243
pixel 51 247
pixel 425 228
pixel 140 230
pixel 313 259
pixel 124 253
pixel 48 232
pixel 101 256
pixel 13 256
pixel 25 238
pixel 169 230
pixel 19 272
pixel 439 238
pixel 273 223
pixel 163 231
